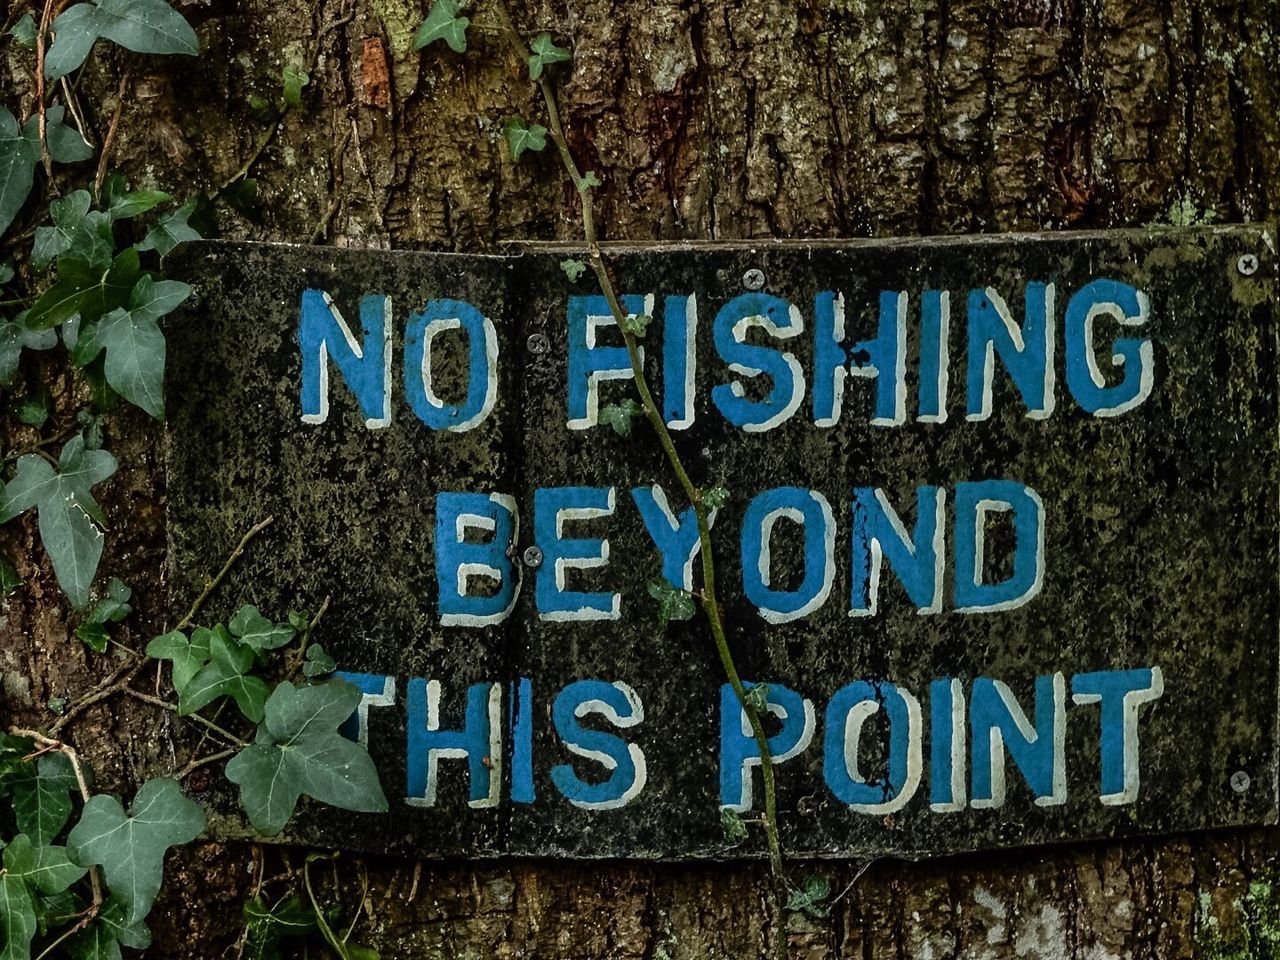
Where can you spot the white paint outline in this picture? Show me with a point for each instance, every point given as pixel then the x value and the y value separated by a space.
pixel 1028 731
pixel 795 328
pixel 436 754
pixel 564 564
pixel 746 788
pixel 594 321
pixel 764 563
pixel 636 715
pixel 1132 766
pixel 853 723
pixel 374 423
pixel 908 543
pixel 465 571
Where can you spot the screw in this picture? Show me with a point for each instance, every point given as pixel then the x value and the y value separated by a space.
pixel 538 344
pixel 753 279
pixel 532 557
pixel 1240 781
pixel 1248 266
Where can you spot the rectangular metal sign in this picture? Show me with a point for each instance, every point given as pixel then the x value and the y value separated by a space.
pixel 1001 533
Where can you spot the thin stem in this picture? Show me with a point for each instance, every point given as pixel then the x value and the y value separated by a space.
pixel 710 603
pixel 110 141
pixel 113 684
pixel 256 529
pixel 173 708
pixel 195 765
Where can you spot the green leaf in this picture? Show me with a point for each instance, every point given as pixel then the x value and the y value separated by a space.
pixel 521 137
pixel 590 181
pixel 573 269
pixel 131 848
pixel 33 409
pixel 41 800
pixel 713 498
pixel 265 928
pixel 636 324
pixel 6 272
pixel 57 705
pixel 24 31
pixel 171 230
pixel 298 751
pixel 69 517
pixel 90 427
pixel 757 698
pixel 735 831
pixel 65 143
pixel 94 635
pixel 102 939
pixel 14 337
pixel 673 603
pixel 9 579
pixel 87 290
pixel 242 196
pixel 188 657
pixel 225 676
pixel 18 159
pixel 257 632
pixel 41 867
pixel 443 23
pixel 131 204
pixel 143 26
pixel 318 663
pixel 17 918
pixel 114 607
pixel 809 896
pixel 294 79
pixel 68 215
pixel 620 415
pixel 134 364
pixel 543 51
pixel 55 909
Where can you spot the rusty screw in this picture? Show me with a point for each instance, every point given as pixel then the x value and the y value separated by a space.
pixel 753 279
pixel 538 344
pixel 1240 781
pixel 532 557
pixel 1248 266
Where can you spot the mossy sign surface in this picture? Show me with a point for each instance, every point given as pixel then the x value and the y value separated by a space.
pixel 1001 533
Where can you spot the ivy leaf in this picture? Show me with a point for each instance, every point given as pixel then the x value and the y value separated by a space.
pixel 188 656
pixel 735 831
pixel 294 79
pixel 66 511
pixel 673 603
pixel 41 867
pixel 757 698
pixel 114 607
pixel 94 635
pixel 143 26
pixel 318 663
pixel 41 800
pixel 17 918
pixel 130 204
pixel 14 337
pixel 443 23
pixel 809 896
pixel 33 409
pixel 298 751
pixel 265 927
pixel 620 415
pixel 67 213
pixel 225 676
pixel 6 272
pixel 257 632
pixel 102 939
pixel 130 848
pixel 521 137
pixel 590 181
pixel 171 230
pixel 9 579
pixel 24 31
pixel 543 52
pixel 135 358
pixel 636 324
pixel 713 498
pixel 18 159
pixel 55 909
pixel 85 289
pixel 573 269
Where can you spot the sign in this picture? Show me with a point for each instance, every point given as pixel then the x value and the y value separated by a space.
pixel 1001 537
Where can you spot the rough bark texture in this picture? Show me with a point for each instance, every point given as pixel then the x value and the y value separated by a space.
pixel 706 119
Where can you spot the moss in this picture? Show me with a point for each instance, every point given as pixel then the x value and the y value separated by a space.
pixel 1252 933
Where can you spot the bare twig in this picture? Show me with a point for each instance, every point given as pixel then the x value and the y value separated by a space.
pixel 118 680
pixel 172 708
pixel 110 141
pixel 195 765
pixel 40 35
pixel 235 555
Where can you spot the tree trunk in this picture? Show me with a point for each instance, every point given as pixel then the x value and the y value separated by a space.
pixel 706 119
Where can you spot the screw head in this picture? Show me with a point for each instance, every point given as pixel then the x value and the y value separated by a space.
pixel 532 557
pixel 538 344
pixel 1247 264
pixel 1240 781
pixel 753 279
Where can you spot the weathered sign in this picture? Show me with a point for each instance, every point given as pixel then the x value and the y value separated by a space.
pixel 1001 537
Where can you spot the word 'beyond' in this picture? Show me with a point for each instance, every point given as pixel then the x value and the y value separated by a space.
pixel 1026 351
pixel 969 740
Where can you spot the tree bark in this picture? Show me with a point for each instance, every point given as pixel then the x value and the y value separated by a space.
pixel 706 119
